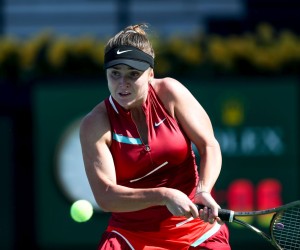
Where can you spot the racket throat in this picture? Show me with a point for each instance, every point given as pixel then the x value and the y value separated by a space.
pixel 261 233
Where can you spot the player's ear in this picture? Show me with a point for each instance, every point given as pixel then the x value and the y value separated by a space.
pixel 151 74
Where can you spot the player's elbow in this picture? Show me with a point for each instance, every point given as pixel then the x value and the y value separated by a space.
pixel 210 147
pixel 104 205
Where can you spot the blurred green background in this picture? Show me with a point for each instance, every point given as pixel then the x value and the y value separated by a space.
pixel 239 58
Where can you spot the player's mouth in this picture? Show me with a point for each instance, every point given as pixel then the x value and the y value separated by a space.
pixel 124 94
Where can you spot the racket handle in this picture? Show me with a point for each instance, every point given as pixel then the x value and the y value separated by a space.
pixel 224 214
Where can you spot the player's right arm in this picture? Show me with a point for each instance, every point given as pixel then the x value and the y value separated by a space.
pixel 95 138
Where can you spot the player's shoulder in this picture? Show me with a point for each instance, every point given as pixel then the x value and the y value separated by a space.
pixel 94 120
pixel 167 84
pixel 99 111
pixel 170 86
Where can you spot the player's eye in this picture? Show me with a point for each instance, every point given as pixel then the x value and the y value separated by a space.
pixel 135 74
pixel 115 74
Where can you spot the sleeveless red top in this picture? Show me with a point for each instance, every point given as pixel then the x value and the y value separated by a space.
pixel 167 160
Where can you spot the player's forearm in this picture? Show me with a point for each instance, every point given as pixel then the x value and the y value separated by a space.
pixel 210 167
pixel 118 198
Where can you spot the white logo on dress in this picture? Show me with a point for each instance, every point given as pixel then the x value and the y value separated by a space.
pixel 156 124
pixel 123 51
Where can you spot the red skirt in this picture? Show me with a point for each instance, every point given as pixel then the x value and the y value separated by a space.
pixel 194 234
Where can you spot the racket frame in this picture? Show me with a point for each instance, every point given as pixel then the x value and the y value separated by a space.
pixel 230 216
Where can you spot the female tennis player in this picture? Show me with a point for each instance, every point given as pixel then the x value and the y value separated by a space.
pixel 137 150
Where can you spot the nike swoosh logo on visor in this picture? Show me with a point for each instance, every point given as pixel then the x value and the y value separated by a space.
pixel 123 51
pixel 156 124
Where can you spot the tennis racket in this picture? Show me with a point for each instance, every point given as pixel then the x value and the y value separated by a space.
pixel 284 228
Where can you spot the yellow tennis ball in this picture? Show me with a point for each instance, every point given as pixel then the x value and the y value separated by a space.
pixel 81 211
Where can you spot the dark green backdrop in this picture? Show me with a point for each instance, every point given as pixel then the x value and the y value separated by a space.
pixel 6 184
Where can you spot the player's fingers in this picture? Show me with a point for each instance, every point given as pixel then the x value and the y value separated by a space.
pixel 218 219
pixel 214 211
pixel 211 220
pixel 211 216
pixel 194 212
pixel 188 215
pixel 203 214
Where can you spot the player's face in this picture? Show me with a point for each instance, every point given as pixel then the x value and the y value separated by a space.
pixel 128 86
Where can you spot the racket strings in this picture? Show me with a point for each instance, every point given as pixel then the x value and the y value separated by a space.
pixel 286 228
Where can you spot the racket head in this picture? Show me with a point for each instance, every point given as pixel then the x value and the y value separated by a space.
pixel 285 228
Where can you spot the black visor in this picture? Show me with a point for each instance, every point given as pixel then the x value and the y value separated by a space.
pixel 130 56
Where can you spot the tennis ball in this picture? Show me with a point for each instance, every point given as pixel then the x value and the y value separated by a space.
pixel 81 211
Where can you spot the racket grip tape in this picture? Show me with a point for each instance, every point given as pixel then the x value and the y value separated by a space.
pixel 223 214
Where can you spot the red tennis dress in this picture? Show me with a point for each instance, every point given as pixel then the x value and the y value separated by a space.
pixel 166 161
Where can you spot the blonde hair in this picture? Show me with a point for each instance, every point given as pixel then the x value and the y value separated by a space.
pixel 133 35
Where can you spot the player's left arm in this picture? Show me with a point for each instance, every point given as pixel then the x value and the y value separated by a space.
pixel 198 127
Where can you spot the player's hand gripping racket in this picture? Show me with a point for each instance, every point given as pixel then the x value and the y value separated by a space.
pixel 284 228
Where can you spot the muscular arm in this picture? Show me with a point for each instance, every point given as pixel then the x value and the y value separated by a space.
pixel 95 137
pixel 197 125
